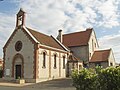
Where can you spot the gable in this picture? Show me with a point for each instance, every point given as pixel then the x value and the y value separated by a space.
pixel 13 34
pixel 77 39
pixel 94 38
pixel 111 57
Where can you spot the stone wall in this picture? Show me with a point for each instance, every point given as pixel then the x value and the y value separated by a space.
pixel 27 52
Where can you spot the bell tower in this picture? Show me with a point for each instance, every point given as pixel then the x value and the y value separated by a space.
pixel 20 18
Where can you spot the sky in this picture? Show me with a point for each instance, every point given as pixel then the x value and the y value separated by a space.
pixel 48 16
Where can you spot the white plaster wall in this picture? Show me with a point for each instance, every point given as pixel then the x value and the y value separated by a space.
pixel 111 59
pixel 43 71
pixel 91 50
pixel 54 71
pixel 63 70
pixel 51 73
pixel 27 51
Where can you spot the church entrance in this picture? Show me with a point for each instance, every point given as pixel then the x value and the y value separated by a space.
pixel 18 71
pixel 18 66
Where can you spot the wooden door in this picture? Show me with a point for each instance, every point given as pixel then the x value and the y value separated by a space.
pixel 18 71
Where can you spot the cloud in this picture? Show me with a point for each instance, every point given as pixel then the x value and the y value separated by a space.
pixel 111 41
pixel 7 25
pixel 47 16
pixel 71 15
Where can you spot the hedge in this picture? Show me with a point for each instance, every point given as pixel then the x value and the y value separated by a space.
pixel 98 79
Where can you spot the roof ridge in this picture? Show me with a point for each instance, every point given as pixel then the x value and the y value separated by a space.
pixel 103 50
pixel 79 31
pixel 74 32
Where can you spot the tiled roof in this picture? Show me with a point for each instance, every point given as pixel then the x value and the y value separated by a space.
pixel 45 39
pixel 1 61
pixel 77 38
pixel 100 56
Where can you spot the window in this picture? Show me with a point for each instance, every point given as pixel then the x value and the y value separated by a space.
pixel 95 45
pixel 63 62
pixel 111 64
pixel 73 65
pixel 55 61
pixel 90 54
pixel 92 45
pixel 98 64
pixel 80 67
pixel 20 20
pixel 44 59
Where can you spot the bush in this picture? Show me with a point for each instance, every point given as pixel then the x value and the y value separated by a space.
pixel 84 79
pixel 109 79
pixel 98 79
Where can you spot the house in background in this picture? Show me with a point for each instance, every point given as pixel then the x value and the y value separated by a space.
pixel 73 62
pixel 84 46
pixel 102 58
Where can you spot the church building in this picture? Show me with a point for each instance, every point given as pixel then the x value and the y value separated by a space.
pixel 33 56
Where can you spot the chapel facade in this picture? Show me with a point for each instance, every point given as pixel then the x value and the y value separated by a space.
pixel 33 56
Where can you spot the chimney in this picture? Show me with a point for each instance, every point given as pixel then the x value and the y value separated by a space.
pixel 59 37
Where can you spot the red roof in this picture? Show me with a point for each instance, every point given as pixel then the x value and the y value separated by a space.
pixel 77 38
pixel 1 61
pixel 45 39
pixel 100 56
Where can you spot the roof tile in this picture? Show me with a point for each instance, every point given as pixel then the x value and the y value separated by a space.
pixel 45 39
pixel 77 38
pixel 100 56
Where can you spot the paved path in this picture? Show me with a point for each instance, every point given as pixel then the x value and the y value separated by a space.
pixel 59 84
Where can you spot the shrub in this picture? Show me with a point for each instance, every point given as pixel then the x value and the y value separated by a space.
pixel 109 79
pixel 98 79
pixel 84 79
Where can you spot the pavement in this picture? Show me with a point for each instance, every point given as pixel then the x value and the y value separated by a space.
pixel 58 84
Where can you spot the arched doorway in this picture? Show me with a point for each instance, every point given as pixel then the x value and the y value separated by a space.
pixel 18 66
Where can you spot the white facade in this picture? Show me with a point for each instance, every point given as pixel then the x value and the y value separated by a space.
pixel 92 44
pixel 49 71
pixel 27 52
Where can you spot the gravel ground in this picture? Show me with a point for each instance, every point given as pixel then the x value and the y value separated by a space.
pixel 59 84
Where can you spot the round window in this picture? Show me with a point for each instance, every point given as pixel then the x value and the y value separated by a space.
pixel 18 46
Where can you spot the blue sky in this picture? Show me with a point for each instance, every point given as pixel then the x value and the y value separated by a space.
pixel 48 16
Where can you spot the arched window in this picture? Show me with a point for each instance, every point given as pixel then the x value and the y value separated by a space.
pixel 92 45
pixel 55 61
pixel 44 59
pixel 63 62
